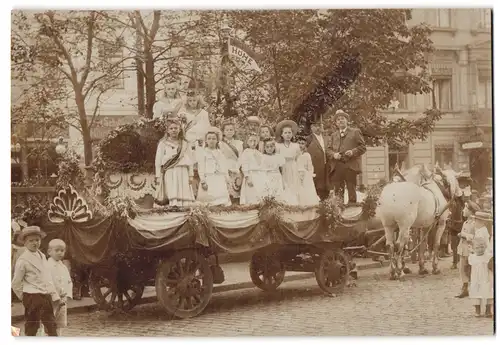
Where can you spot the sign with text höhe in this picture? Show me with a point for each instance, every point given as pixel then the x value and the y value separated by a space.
pixel 245 58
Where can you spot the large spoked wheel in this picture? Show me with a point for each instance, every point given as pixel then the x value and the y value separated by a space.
pixel 111 294
pixel 267 272
pixel 184 284
pixel 332 271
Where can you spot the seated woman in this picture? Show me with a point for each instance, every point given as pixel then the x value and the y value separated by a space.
pixel 213 172
pixel 174 168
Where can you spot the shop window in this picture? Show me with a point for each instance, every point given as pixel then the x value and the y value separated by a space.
pixel 399 156
pixel 444 157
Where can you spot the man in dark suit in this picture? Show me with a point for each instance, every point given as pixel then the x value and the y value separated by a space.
pixel 344 157
pixel 317 149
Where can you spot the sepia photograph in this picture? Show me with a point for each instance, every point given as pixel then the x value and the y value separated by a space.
pixel 252 172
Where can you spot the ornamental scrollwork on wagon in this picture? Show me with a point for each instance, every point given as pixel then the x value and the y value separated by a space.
pixel 68 205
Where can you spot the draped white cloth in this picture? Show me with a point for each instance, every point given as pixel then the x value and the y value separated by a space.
pixel 225 220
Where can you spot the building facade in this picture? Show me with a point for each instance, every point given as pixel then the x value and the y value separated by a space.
pixel 462 71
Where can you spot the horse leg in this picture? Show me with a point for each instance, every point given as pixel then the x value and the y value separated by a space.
pixel 403 237
pixel 389 242
pixel 437 243
pixel 421 252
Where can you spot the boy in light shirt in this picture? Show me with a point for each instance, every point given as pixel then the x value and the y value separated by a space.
pixel 33 284
pixel 62 282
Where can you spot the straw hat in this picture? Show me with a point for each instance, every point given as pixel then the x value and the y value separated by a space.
pixel 472 206
pixel 340 113
pixel 464 176
pixel 286 123
pixel 484 216
pixel 29 231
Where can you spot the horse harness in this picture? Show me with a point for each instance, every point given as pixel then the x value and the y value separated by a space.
pixel 445 189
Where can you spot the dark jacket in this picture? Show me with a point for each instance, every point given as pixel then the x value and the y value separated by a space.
pixel 353 141
pixel 318 157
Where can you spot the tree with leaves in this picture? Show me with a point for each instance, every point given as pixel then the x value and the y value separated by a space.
pixel 66 54
pixel 355 60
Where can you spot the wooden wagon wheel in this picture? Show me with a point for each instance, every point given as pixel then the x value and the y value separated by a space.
pixel 184 284
pixel 266 272
pixel 332 271
pixel 109 293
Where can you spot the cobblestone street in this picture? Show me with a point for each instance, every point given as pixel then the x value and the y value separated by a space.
pixel 377 306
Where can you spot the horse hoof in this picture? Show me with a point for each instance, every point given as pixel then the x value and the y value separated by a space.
pixel 423 271
pixel 436 272
pixel 392 277
pixel 402 278
pixel 406 270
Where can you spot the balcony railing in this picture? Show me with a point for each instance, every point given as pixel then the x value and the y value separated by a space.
pixel 20 195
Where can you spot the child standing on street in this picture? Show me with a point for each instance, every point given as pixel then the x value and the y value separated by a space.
pixel 62 282
pixel 481 282
pixel 33 284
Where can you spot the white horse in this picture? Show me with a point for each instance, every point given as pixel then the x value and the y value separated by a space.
pixel 419 202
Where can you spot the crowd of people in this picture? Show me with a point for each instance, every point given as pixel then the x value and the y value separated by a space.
pixel 471 228
pixel 197 162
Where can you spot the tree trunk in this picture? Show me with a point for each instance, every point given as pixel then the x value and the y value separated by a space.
pixel 140 72
pixel 87 139
pixel 150 83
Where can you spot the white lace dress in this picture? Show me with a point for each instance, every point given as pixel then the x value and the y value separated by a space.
pixel 307 190
pixel 213 169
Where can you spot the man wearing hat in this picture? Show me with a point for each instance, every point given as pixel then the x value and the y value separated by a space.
pixel 344 157
pixel 317 149
pixel 33 284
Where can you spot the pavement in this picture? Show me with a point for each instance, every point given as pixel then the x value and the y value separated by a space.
pixel 237 277
pixel 417 306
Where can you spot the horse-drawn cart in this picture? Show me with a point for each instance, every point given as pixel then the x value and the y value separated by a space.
pixel 129 242
pixel 176 250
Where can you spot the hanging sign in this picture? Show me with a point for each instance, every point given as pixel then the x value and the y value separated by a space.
pixel 473 145
pixel 245 57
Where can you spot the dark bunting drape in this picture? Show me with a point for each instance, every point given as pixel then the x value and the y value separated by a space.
pixel 88 243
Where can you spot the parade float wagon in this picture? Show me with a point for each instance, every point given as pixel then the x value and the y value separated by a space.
pixel 129 242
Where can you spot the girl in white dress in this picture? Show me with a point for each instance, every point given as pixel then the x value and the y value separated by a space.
pixel 196 120
pixel 481 283
pixel 307 190
pixel 170 102
pixel 285 130
pixel 213 172
pixel 254 178
pixel 271 164
pixel 232 149
pixel 174 169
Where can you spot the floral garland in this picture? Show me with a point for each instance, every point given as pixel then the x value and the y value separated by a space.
pixel 130 148
pixel 69 171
